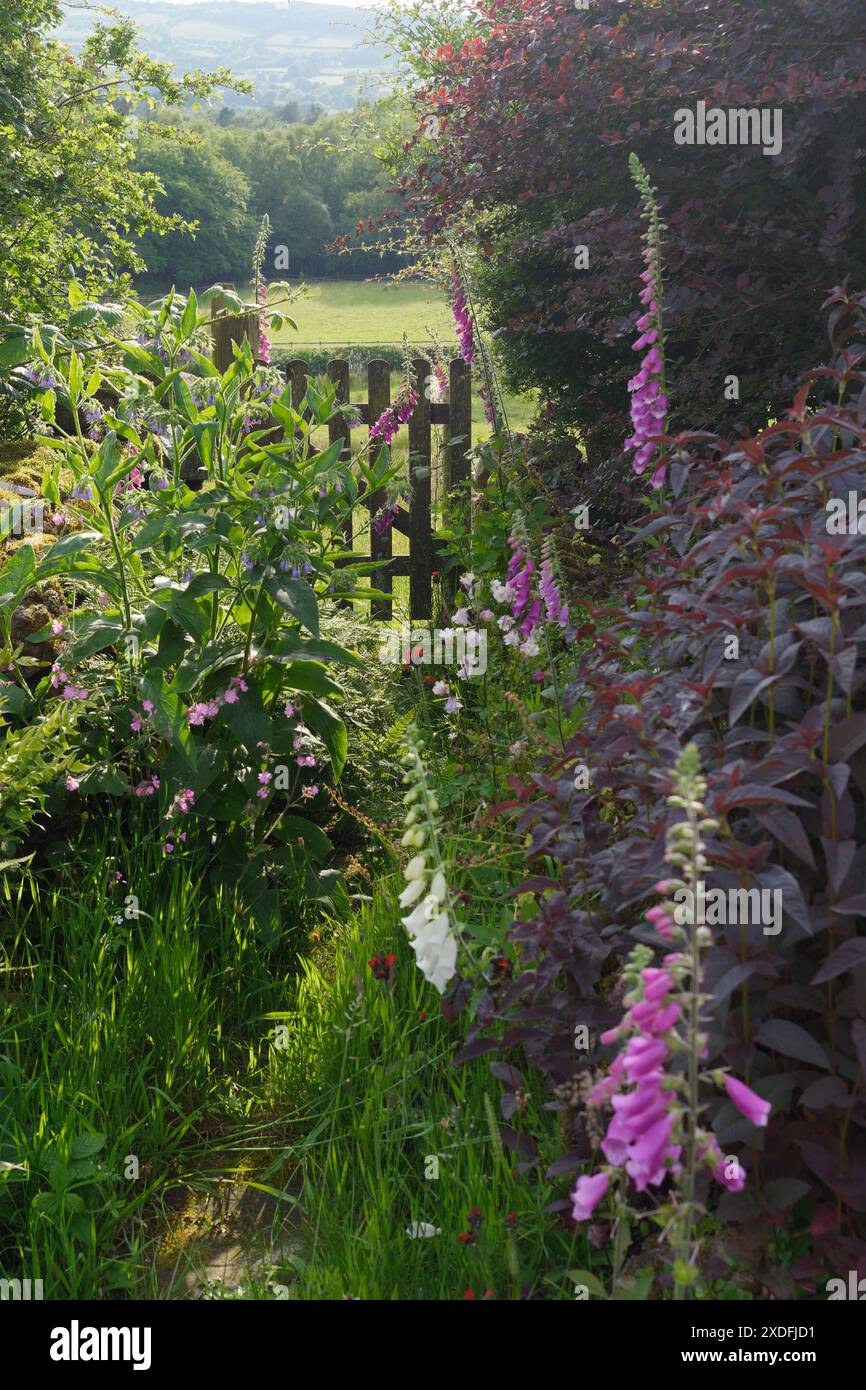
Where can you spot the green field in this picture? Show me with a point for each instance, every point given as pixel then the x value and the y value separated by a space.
pixel 366 312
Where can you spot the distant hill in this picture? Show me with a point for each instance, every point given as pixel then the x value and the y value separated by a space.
pixel 296 52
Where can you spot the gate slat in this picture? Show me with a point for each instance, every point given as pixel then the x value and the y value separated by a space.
pixel 421 540
pixel 381 547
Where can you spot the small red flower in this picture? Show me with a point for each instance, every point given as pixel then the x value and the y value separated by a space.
pixel 470 1293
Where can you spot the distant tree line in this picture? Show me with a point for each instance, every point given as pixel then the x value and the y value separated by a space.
pixel 224 173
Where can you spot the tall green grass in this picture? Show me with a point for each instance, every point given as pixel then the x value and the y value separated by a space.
pixel 392 1134
pixel 119 1041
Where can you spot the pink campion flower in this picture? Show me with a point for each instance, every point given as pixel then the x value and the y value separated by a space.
pixel 135 724
pixel 196 713
pixel 147 706
pixel 57 627
pixel 309 792
pixel 587 1195
pixel 746 1101
pixel 289 710
pixel 306 760
pixel 262 793
pixel 238 683
pixel 72 784
pixel 230 697
pixel 168 847
pixel 265 777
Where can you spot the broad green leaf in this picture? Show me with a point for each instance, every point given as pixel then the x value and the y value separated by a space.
pixel 14 347
pixel 213 657
pixel 93 633
pixel 186 612
pixel 189 320
pixel 248 721
pixel 293 647
pixel 331 730
pixel 291 829
pixel 310 675
pixel 169 715
pixel 298 600
pixel 138 359
pixel 16 575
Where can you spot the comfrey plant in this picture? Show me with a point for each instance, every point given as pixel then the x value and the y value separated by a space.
pixel 654 1083
pixel 431 923
pixel 195 583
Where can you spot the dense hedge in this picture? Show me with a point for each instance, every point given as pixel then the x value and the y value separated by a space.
pixel 743 629
pixel 536 121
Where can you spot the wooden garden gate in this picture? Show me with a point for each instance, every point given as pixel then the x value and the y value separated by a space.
pixel 416 523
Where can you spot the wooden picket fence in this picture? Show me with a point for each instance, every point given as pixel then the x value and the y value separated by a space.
pixel 415 523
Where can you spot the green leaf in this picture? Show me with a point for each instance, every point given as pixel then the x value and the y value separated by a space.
pixel 293 647
pixel 14 347
pixel 183 400
pixel 248 721
pixel 204 434
pixel 189 320
pixel 16 575
pixel 589 1280
pixel 171 647
pixel 310 675
pixel 207 583
pixel 186 612
pixel 75 376
pixel 13 697
pixel 169 715
pixel 93 633
pixel 107 460
pixel 298 600
pixel 213 657
pixel 138 359
pixel 102 779
pixel 331 730
pixel 291 829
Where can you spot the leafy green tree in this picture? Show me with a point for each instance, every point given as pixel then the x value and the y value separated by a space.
pixel 211 194
pixel 72 198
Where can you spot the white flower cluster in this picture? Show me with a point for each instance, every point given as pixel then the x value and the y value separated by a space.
pixel 430 923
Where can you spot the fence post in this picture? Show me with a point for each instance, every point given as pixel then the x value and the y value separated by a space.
pixel 297 372
pixel 338 371
pixel 379 398
pixel 230 329
pixel 459 422
pixel 421 534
